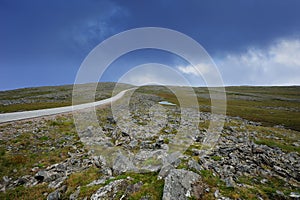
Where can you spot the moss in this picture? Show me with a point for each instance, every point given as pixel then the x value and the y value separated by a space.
pixel 24 193
pixel 152 161
pixel 267 190
pixel 166 140
pixel 276 137
pixel 82 179
pixel 151 186
pixel 44 137
pixel 281 145
pixel 216 158
pixel 34 148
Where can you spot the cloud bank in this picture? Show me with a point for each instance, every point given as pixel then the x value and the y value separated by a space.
pixel 276 64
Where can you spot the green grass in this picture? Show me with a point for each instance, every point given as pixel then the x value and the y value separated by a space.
pixel 31 106
pixel 52 133
pixel 216 158
pixel 246 101
pixel 151 186
pixel 24 193
pixel 276 137
pixel 252 109
pixel 281 145
pixel 82 179
pixel 51 96
pixel 30 149
pixel 252 188
pixel 267 190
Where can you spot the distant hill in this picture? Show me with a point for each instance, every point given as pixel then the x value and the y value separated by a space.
pixel 271 105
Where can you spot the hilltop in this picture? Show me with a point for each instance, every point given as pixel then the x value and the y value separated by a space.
pixel 256 156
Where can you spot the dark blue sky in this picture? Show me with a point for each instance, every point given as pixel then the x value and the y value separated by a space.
pixel 44 42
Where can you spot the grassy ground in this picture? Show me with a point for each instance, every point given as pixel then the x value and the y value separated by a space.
pixel 51 96
pixel 269 105
pixel 30 143
pixel 37 144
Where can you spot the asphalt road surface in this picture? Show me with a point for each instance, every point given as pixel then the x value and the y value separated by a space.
pixel 8 117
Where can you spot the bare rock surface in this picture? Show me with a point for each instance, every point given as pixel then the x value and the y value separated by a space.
pixel 178 184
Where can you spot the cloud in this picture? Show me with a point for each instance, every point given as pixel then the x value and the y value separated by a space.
pixel 153 73
pixel 199 74
pixel 276 64
pixel 287 53
pixel 200 68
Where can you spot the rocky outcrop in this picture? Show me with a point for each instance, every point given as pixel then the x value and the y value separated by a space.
pixel 123 164
pixel 141 149
pixel 117 189
pixel 179 184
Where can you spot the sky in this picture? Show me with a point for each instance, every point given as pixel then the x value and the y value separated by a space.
pixel 251 42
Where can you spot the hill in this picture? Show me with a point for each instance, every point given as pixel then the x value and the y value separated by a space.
pixel 256 155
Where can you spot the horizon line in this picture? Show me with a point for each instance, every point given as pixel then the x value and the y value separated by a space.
pixel 201 86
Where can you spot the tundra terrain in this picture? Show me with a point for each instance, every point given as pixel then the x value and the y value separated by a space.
pixel 255 157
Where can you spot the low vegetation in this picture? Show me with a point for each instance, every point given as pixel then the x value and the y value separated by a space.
pixel 39 143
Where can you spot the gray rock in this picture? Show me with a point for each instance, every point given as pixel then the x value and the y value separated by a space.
pixel 106 171
pixel 57 182
pixel 122 164
pixel 258 149
pixel 6 179
pixel 88 132
pixel 296 144
pixel 111 120
pixel 229 182
pixel 173 159
pixel 179 184
pixel 42 176
pixel 23 180
pixel 135 187
pixel 165 170
pixel 295 195
pixel 147 144
pixel 63 189
pixel 108 127
pixel 192 164
pixel 133 144
pixel 264 181
pixel 217 194
pixel 147 197
pixel 110 190
pixel 279 193
pixel 98 181
pixel 75 195
pixel 54 195
pixel 99 161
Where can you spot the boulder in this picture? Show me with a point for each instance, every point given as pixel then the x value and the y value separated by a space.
pixel 193 165
pixel 75 195
pixel 122 164
pixel 109 191
pixel 54 195
pixel 179 184
pixel 42 175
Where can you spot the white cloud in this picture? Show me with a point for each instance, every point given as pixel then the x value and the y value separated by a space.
pixel 200 68
pixel 277 64
pixel 287 52
pixel 153 73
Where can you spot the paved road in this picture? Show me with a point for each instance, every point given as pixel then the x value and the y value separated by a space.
pixel 8 117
